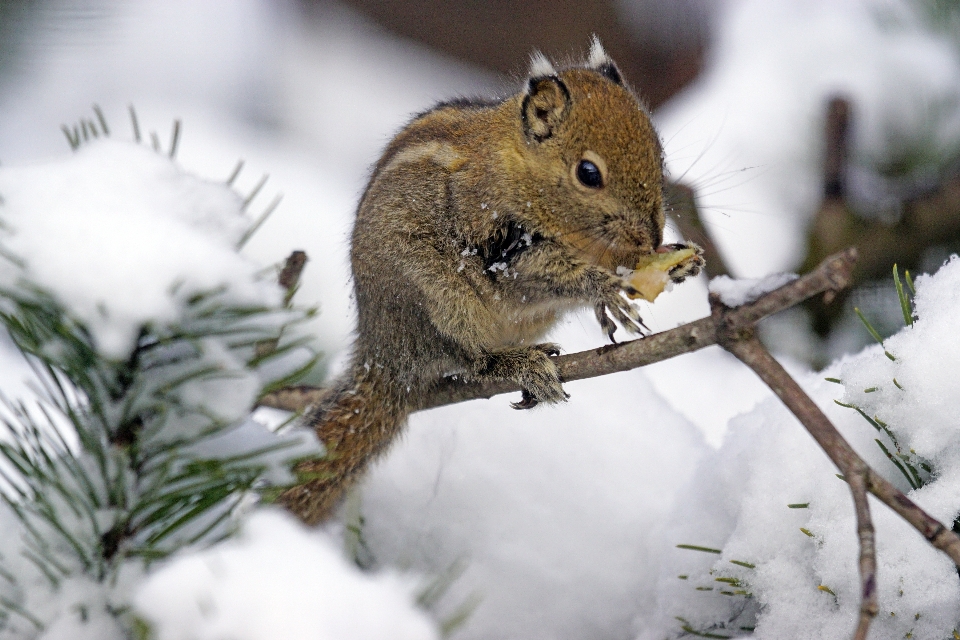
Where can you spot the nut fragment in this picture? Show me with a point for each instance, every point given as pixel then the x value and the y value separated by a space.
pixel 652 273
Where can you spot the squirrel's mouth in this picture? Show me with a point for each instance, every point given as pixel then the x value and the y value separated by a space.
pixel 611 250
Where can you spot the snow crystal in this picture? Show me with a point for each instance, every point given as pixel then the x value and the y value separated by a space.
pixel 122 236
pixel 277 580
pixel 735 292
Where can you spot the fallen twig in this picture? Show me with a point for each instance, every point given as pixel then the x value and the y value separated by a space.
pixel 289 279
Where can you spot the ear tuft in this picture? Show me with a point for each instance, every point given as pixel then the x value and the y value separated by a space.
pixel 598 57
pixel 540 66
pixel 603 64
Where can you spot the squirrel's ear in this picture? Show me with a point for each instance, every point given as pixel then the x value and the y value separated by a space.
pixel 603 64
pixel 546 101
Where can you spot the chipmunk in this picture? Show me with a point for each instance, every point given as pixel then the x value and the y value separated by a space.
pixel 482 224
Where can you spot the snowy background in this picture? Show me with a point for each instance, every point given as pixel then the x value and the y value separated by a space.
pixel 561 522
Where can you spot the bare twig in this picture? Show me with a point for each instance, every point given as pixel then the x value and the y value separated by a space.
pixel 855 471
pixel 837 137
pixel 289 276
pixel 868 553
pixel 288 279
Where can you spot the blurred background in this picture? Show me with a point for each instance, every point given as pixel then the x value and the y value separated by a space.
pixel 792 128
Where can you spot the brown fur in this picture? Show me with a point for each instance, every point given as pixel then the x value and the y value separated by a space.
pixel 458 184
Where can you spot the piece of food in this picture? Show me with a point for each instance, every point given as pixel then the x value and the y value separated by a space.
pixel 652 273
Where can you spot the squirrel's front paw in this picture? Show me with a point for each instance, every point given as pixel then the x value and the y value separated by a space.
pixel 689 267
pixel 622 310
pixel 531 368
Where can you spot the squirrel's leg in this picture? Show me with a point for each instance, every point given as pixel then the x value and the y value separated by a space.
pixel 461 315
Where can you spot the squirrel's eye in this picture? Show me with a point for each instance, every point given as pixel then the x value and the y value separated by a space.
pixel 589 174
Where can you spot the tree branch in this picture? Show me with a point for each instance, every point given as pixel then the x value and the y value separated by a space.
pixel 829 277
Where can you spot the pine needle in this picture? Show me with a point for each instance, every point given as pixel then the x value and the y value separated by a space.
pixel 904 301
pixel 101 120
pixel 174 139
pixel 135 124
pixel 236 172
pixel 693 547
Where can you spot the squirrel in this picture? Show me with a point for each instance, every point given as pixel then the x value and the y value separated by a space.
pixel 483 222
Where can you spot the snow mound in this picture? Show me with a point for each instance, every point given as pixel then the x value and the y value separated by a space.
pixel 122 236
pixel 277 580
pixel 782 524
pixel 551 514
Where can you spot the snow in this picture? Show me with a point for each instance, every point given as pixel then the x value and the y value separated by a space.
pixel 122 238
pixel 741 491
pixel 735 292
pixel 748 134
pixel 147 234
pixel 278 579
pixel 553 512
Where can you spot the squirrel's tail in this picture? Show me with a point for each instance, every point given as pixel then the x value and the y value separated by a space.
pixel 356 421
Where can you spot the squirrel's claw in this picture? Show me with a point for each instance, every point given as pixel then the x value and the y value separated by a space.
pixel 608 326
pixel 625 313
pixel 527 401
pixel 549 348
pixel 531 367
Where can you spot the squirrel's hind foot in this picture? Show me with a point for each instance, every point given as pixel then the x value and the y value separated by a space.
pixel 530 367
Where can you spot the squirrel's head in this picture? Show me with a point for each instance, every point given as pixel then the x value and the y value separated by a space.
pixel 590 162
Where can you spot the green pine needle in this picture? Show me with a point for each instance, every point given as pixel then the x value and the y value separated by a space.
pixel 904 301
pixel 873 332
pixel 693 547
pixel 866 323
pixel 913 484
